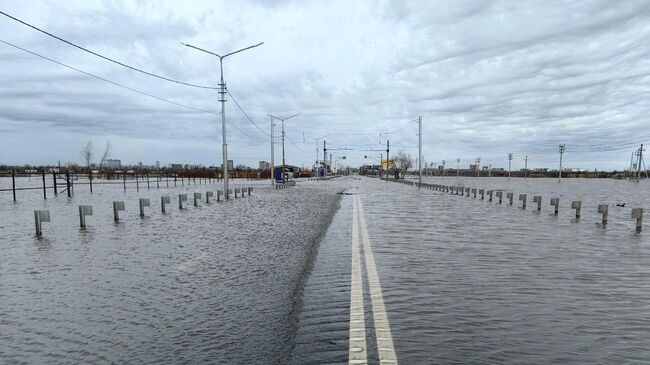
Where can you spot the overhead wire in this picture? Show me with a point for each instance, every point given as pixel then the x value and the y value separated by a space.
pixel 127 87
pixel 246 114
pixel 105 57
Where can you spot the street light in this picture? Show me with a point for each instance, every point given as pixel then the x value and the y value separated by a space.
pixel 317 165
pixel 283 119
pixel 222 99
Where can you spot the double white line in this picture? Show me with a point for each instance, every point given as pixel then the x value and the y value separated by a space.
pixel 358 353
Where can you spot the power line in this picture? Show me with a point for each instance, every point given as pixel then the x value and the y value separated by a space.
pixel 290 141
pixel 127 87
pixel 246 114
pixel 104 57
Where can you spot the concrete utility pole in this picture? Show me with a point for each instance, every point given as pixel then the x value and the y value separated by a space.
pixel 443 167
pixel 387 155
pixel 272 152
pixel 222 99
pixel 478 167
pixel 457 167
pixel 509 164
pixel 526 167
pixel 325 156
pixel 562 149
pixel 638 163
pixel 420 150
pixel 317 166
pixel 631 174
pixel 284 169
pixel 284 179
pixel 489 170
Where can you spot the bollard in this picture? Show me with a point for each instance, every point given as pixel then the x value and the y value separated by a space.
pixel 467 191
pixel 603 209
pixel 576 204
pixel 538 199
pixel 163 201
pixel 250 190
pixel 84 210
pixel 143 203
pixel 482 192
pixel 522 198
pixel 555 202
pixel 474 192
pixel 237 190
pixel 489 193
pixel 181 198
pixel 197 197
pixel 638 214
pixel 117 206
pixel 41 216
pixel 208 195
pixel 510 196
pixel 219 194
pixel 500 196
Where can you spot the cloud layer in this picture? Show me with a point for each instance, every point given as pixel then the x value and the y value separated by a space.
pixel 488 78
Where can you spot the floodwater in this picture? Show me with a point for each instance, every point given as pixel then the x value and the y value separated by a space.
pixel 267 279
pixel 467 281
pixel 216 283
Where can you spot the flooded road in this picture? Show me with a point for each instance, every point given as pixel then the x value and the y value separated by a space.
pixel 210 284
pixel 412 275
pixel 473 282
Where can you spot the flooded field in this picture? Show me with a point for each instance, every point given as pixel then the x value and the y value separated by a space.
pixel 216 283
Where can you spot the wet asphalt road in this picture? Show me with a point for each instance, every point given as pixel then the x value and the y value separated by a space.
pixel 473 282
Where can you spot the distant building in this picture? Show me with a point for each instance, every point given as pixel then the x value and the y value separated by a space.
pixel 231 165
pixel 265 165
pixel 113 164
pixel 176 167
pixel 573 169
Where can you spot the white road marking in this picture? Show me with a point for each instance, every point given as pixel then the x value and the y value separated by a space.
pixel 382 327
pixel 357 353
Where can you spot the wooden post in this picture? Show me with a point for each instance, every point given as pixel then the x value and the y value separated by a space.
pixel 44 190
pixel 56 193
pixel 67 182
pixel 13 183
pixel 147 180
pixel 124 180
pixel 90 177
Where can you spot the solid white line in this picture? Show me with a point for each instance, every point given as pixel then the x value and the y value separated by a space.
pixel 382 327
pixel 357 347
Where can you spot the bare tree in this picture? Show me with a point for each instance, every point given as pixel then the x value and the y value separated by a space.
pixel 105 155
pixel 403 161
pixel 87 153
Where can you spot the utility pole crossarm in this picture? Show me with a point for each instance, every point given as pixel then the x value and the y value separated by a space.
pixel 243 49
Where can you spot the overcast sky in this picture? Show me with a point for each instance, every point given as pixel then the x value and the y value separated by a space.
pixel 488 78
